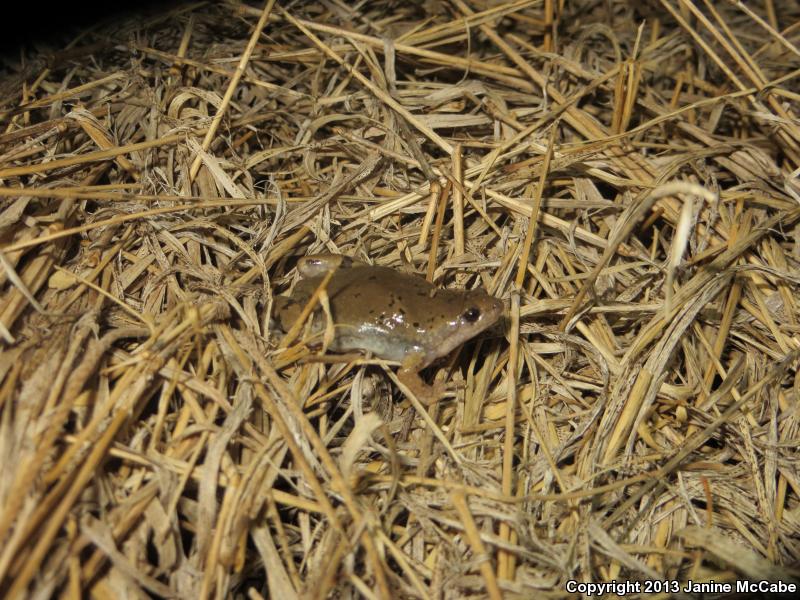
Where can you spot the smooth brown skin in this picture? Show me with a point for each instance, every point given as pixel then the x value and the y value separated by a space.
pixel 392 315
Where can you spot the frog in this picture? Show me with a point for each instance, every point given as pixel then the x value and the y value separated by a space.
pixel 388 314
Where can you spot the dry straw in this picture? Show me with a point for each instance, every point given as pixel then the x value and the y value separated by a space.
pixel 623 174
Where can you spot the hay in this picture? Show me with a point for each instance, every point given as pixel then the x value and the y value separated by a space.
pixel 624 174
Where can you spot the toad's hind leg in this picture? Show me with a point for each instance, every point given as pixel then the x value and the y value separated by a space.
pixel 316 265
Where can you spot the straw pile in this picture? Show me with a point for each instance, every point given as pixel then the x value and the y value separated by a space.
pixel 623 174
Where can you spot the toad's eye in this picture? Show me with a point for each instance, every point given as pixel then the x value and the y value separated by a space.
pixel 472 314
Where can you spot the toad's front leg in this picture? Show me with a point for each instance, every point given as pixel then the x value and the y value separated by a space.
pixel 408 374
